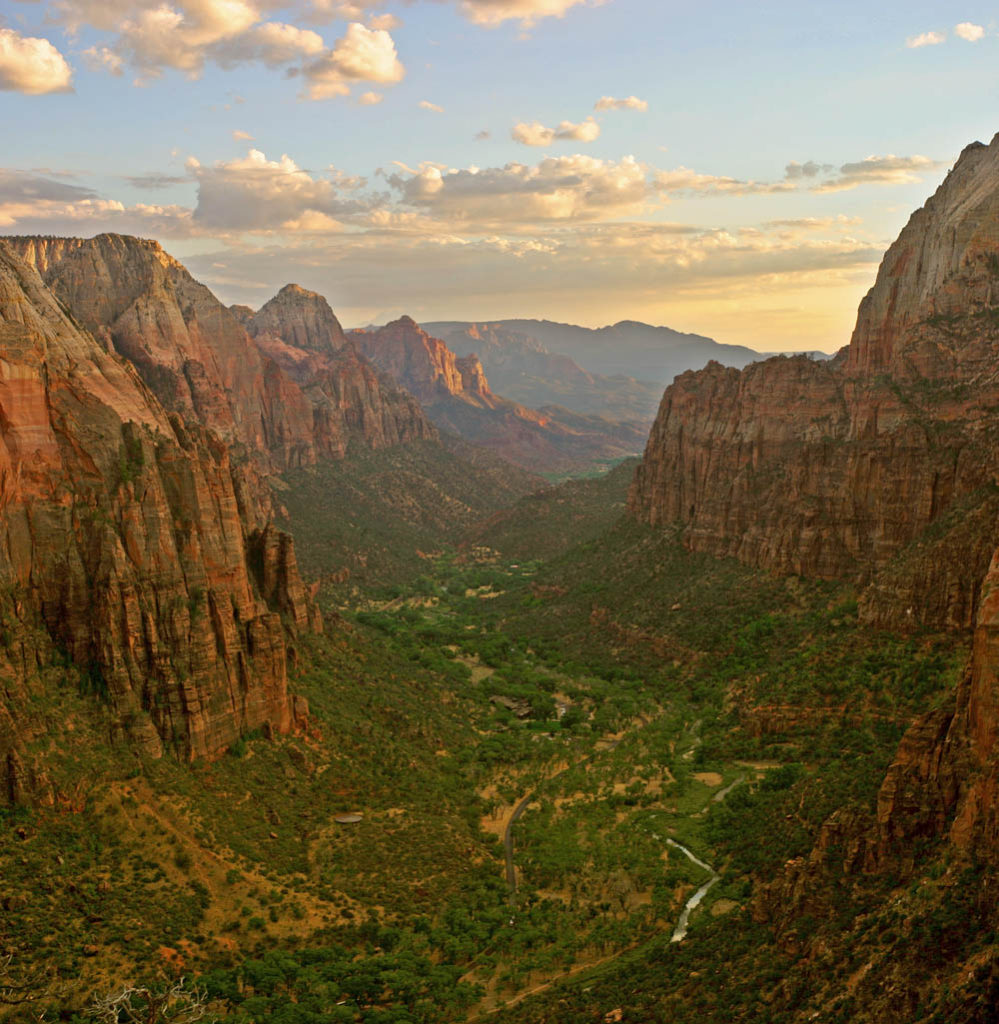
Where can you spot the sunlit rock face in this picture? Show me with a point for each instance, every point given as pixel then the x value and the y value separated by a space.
pixel 880 466
pixel 833 468
pixel 130 545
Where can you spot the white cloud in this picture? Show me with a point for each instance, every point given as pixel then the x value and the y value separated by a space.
pixel 361 55
pixel 495 12
pixel 240 136
pixel 627 103
pixel 926 39
pixel 556 189
pixel 370 99
pixel 969 31
pixel 384 21
pixel 256 194
pixel 100 58
pixel 536 134
pixel 684 180
pixel 427 105
pixel 879 170
pixel 31 65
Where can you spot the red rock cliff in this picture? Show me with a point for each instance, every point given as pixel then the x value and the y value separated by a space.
pixel 124 538
pixel 834 468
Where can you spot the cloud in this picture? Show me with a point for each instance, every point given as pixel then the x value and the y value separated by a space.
pixel 362 54
pixel 879 170
pixel 384 21
pixel 969 31
pixel 370 99
pixel 154 36
pixel 628 103
pixel 154 181
pixel 684 180
pixel 483 135
pixel 32 66
pixel 536 134
pixel 926 39
pixel 241 136
pixel 810 169
pixel 427 105
pixel 556 189
pixel 528 12
pixel 255 194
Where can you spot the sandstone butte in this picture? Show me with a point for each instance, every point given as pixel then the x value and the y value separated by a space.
pixel 457 397
pixel 878 465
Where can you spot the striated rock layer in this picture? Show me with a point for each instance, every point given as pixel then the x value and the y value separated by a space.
pixel 457 397
pixel 124 539
pixel 287 394
pixel 834 468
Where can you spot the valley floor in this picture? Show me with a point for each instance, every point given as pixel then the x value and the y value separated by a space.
pixel 636 723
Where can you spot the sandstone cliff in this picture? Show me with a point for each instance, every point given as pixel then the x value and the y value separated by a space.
pixel 457 397
pixel 189 348
pixel 834 468
pixel 124 540
pixel 274 382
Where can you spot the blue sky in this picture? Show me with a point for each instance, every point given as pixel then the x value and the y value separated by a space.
pixel 767 156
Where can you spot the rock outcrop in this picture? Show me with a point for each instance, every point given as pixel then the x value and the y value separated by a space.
pixel 125 534
pixel 189 348
pixel 521 368
pixel 276 382
pixel 302 319
pixel 457 397
pixel 835 468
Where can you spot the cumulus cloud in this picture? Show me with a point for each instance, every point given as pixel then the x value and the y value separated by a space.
pixel 969 31
pixel 879 170
pixel 556 189
pixel 628 103
pixel 370 99
pixel 926 39
pixel 241 136
pixel 154 36
pixel 427 105
pixel 536 134
pixel 362 54
pixel 31 65
pixel 257 194
pixel 684 180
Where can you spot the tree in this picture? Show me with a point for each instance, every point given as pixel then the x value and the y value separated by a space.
pixel 139 1005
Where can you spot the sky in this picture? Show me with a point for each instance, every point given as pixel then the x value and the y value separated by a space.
pixel 730 169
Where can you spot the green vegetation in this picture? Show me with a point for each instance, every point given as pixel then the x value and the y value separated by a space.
pixel 630 694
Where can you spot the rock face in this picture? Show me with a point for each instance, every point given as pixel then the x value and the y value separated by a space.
pixel 879 465
pixel 189 348
pixel 274 382
pixel 833 469
pixel 521 368
pixel 299 333
pixel 125 539
pixel 302 319
pixel 457 397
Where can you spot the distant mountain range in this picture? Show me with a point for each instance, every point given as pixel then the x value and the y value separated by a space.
pixel 628 348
